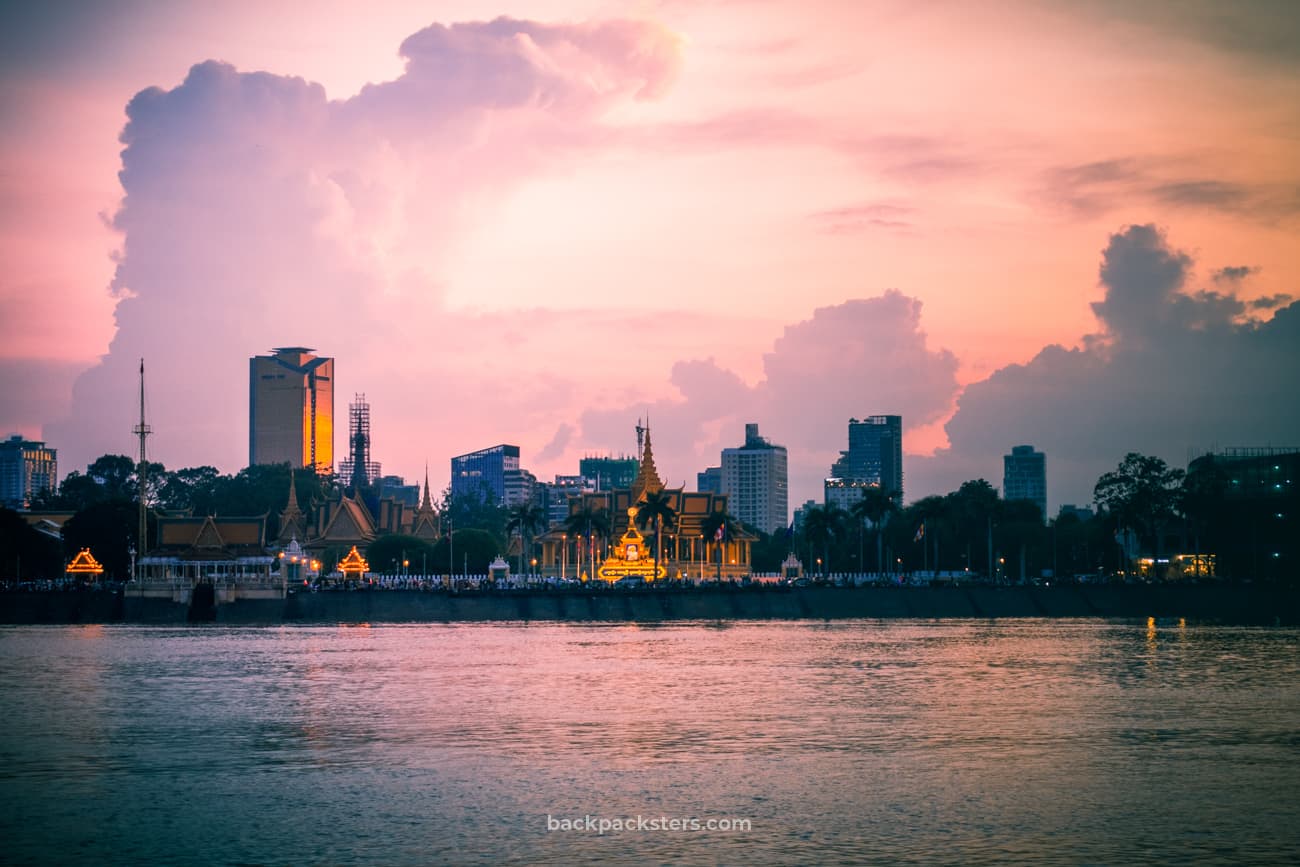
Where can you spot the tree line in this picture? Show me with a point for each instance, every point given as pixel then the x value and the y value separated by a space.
pixel 1141 504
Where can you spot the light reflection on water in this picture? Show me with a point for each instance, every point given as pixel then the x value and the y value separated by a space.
pixel 889 742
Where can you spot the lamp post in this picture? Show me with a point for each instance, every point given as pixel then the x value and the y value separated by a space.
pixel 564 556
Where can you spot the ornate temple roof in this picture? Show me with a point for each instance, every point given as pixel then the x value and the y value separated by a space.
pixel 426 524
pixel 293 523
pixel 210 538
pixel 647 478
pixel 349 524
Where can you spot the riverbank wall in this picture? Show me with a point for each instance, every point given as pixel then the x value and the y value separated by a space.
pixel 1243 604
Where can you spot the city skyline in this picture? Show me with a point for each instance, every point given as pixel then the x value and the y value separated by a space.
pixel 537 231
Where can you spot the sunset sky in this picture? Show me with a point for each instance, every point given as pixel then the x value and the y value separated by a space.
pixel 1069 224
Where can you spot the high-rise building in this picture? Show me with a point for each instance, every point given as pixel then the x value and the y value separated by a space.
pixel 553 497
pixel 801 512
pixel 26 469
pixel 394 488
pixel 709 481
pixel 609 472
pixel 357 469
pixel 756 481
pixel 291 409
pixel 482 473
pixel 1024 477
pixel 875 453
pixel 518 487
pixel 844 493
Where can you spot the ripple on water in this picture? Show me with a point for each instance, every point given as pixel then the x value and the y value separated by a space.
pixel 961 741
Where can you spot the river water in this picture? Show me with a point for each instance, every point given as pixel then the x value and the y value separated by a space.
pixel 899 742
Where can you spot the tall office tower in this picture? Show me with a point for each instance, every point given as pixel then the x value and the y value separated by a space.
pixel 26 469
pixel 756 481
pixel 709 481
pixel 291 409
pixel 482 474
pixel 1024 477
pixel 357 469
pixel 609 473
pixel 875 453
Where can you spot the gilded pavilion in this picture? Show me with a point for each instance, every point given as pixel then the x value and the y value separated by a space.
pixel 687 553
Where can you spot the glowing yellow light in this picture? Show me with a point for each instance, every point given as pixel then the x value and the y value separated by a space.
pixel 84 564
pixel 354 563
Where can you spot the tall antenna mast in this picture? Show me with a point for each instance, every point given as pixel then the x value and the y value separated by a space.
pixel 142 430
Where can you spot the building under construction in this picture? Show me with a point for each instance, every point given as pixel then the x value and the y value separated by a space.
pixel 358 471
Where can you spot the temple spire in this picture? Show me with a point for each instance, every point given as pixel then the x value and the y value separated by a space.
pixel 427 504
pixel 291 504
pixel 647 477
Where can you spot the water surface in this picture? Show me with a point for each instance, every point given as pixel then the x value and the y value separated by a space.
pixel 964 742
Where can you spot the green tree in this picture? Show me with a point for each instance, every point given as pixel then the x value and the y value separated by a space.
pixel 191 488
pixel 1021 531
pixel 823 525
pixel 589 523
pixel 656 508
pixel 474 550
pixel 972 510
pixel 26 553
pixel 115 474
pixel 928 517
pixel 526 519
pixel 718 528
pixel 472 511
pixel 108 477
pixel 1142 495
pixel 387 553
pixel 109 529
pixel 877 504
pixel 769 550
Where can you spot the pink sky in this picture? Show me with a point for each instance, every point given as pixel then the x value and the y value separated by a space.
pixel 789 213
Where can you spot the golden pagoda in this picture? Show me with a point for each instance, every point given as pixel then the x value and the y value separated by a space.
pixel 630 558
pixel 688 552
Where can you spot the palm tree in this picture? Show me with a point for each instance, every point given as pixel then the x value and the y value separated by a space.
pixel 588 522
pixel 717 526
pixel 877 504
pixel 525 519
pixel 657 506
pixel 824 523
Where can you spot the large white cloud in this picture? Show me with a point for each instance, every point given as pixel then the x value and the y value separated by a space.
pixel 1173 372
pixel 259 213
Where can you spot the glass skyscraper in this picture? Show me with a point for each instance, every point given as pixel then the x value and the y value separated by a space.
pixel 291 409
pixel 875 454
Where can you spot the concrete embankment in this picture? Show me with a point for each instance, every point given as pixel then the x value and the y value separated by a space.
pixel 1249 604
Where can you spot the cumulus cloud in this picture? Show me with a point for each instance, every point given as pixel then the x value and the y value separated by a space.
pixel 257 212
pixel 861 357
pixel 1171 371
pixel 35 388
